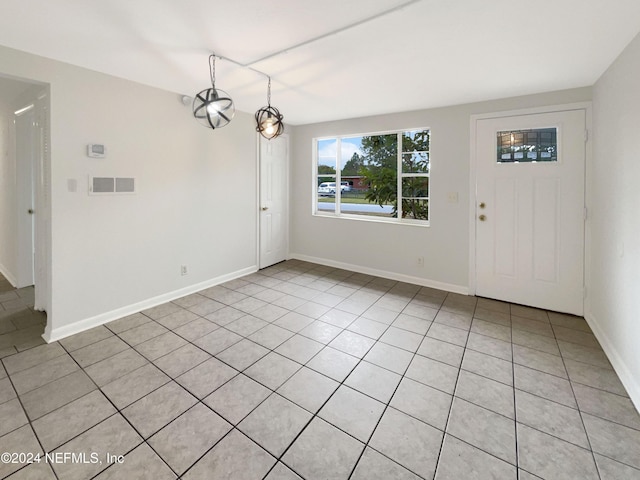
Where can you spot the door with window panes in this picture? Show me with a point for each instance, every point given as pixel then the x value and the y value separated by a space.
pixel 530 209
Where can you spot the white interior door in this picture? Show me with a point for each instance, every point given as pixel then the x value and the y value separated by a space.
pixel 530 209
pixel 274 201
pixel 25 166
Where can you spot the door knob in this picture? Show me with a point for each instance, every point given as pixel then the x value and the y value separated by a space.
pixel 482 218
pixel 30 211
pixel 265 208
pixel 482 205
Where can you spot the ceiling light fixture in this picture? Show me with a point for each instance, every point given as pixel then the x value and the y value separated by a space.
pixel 269 119
pixel 213 108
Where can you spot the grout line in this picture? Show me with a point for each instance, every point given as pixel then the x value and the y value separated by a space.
pixel 388 404
pixel 453 396
pixel 302 288
pixel 118 412
pixel 29 422
pixel 340 384
pixel 584 427
pixel 515 403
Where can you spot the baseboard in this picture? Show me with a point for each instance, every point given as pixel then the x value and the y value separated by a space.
pixel 80 326
pixel 400 277
pixel 626 375
pixel 7 274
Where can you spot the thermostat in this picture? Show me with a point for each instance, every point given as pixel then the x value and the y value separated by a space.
pixel 96 150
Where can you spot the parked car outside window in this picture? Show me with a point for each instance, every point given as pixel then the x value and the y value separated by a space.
pixel 329 188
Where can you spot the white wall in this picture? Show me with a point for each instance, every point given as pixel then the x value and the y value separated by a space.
pixel 195 205
pixel 613 296
pixel 390 249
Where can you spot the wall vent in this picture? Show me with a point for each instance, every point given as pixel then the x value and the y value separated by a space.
pixel 125 185
pixel 111 185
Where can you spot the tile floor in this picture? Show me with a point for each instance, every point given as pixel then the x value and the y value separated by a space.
pixel 21 327
pixel 304 371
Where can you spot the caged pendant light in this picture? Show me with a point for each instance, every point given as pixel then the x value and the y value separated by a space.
pixel 213 108
pixel 269 119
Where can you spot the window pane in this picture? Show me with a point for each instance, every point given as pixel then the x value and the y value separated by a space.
pixel 416 162
pixel 415 208
pixel 369 177
pixel 536 145
pixel 415 187
pixel 363 175
pixel 326 166
pixel 353 188
pixel 327 156
pixel 356 203
pixel 415 141
pixel 326 193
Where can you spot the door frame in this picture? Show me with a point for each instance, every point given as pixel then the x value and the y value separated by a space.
pixel 286 137
pixel 473 172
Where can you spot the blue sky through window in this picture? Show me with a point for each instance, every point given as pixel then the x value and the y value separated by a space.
pixel 327 150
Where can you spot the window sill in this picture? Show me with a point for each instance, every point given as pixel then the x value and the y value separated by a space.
pixel 362 218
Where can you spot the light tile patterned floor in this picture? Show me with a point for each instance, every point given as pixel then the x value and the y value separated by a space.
pixel 304 371
pixel 21 327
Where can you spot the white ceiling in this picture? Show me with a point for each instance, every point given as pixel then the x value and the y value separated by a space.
pixel 369 56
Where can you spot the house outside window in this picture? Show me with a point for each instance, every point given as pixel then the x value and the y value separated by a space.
pixel 382 176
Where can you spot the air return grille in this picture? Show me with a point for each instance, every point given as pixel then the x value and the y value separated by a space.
pixel 111 185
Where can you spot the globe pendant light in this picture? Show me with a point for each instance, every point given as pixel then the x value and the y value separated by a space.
pixel 269 119
pixel 213 108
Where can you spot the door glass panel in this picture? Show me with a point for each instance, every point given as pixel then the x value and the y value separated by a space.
pixel 527 146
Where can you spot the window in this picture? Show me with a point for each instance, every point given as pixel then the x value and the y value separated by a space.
pixel 383 176
pixel 520 146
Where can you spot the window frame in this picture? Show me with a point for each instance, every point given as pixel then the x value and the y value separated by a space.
pixel 337 178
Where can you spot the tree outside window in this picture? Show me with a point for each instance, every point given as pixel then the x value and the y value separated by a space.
pixel 374 173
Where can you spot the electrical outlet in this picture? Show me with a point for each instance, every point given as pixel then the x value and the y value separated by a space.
pixel 420 261
pixel 183 270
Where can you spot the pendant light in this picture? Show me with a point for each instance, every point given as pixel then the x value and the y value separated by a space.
pixel 213 108
pixel 269 119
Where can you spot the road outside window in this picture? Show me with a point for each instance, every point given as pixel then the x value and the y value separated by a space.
pixel 378 176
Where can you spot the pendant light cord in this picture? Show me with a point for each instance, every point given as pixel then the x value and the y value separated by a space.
pixel 212 70
pixel 269 92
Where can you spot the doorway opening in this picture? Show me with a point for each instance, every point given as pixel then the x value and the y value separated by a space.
pixel 24 213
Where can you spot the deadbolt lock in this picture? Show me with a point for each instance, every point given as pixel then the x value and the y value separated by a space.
pixel 482 205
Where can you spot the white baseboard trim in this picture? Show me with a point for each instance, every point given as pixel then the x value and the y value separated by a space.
pixel 627 377
pixel 82 325
pixel 400 277
pixel 7 274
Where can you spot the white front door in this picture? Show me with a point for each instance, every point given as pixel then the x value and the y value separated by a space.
pixel 274 201
pixel 530 209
